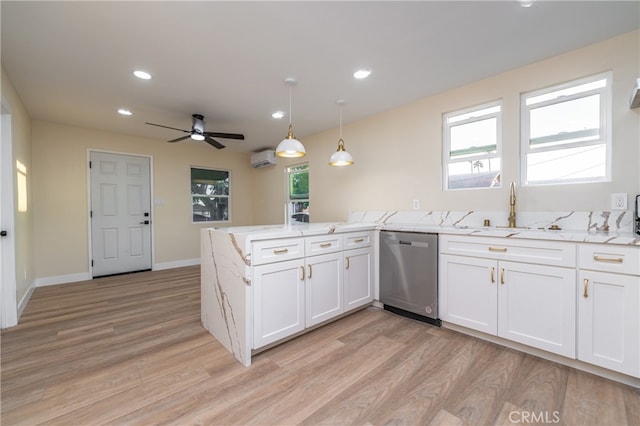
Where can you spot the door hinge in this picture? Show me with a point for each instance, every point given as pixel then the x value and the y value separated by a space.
pixel 92 263
pixel 89 164
pixel 90 213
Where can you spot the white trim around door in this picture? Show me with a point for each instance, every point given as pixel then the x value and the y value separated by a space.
pixel 120 212
pixel 8 283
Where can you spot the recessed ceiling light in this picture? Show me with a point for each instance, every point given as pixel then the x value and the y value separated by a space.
pixel 360 74
pixel 124 111
pixel 278 115
pixel 526 3
pixel 142 75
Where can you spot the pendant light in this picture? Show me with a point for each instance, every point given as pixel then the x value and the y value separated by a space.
pixel 290 146
pixel 341 157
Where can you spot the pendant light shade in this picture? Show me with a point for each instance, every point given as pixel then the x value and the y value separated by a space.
pixel 290 147
pixel 341 157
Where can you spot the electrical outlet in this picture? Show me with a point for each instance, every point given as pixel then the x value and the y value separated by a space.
pixel 416 204
pixel 619 201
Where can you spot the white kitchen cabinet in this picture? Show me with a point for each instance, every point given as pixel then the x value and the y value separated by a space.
pixel 468 292
pixel 536 306
pixel 323 288
pixel 300 282
pixel 278 301
pixel 481 288
pixel 358 278
pixel 609 307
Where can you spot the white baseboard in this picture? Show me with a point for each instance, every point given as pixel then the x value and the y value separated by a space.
pixel 176 264
pixel 25 299
pixel 63 279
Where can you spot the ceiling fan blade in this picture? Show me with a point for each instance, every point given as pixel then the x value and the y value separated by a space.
pixel 225 135
pixel 167 127
pixel 213 142
pixel 180 139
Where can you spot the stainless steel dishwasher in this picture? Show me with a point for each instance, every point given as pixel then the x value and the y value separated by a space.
pixel 409 274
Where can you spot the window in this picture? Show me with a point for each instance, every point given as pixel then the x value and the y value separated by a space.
pixel 209 195
pixel 566 133
pixel 472 147
pixel 298 193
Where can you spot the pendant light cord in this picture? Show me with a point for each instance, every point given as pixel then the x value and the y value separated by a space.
pixel 290 118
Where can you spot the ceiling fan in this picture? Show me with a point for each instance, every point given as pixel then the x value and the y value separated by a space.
pixel 197 132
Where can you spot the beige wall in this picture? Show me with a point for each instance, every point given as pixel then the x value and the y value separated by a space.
pixel 398 153
pixel 21 147
pixel 61 229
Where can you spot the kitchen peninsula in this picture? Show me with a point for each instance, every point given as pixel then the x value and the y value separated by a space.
pixel 310 274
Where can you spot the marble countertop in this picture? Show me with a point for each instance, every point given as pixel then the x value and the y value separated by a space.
pixel 265 232
pixel 599 237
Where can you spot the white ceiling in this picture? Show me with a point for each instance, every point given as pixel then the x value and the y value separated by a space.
pixel 71 62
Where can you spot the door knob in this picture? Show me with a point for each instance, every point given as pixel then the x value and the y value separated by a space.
pixel 3 233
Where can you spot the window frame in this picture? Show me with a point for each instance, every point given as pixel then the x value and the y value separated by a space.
pixel 228 197
pixel 446 138
pixel 288 200
pixel 604 134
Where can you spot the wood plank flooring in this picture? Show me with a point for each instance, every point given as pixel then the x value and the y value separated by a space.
pixel 130 350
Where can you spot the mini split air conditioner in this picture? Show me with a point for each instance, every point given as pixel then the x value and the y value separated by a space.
pixel 265 158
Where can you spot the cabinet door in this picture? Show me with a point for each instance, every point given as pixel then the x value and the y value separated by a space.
pixel 278 301
pixel 609 321
pixel 468 292
pixel 536 306
pixel 358 278
pixel 323 291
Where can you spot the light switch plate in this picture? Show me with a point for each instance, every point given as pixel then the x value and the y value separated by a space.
pixel 416 204
pixel 619 201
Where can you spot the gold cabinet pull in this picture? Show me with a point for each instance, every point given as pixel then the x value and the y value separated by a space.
pixel 310 271
pixel 585 291
pixel 325 245
pixel 501 275
pixel 498 249
pixel 281 251
pixel 302 278
pixel 346 266
pixel 493 271
pixel 608 259
pixel 359 240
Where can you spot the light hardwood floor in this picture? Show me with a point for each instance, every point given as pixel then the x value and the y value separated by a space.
pixel 131 350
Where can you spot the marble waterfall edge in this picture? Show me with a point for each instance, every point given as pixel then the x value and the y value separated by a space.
pixel 224 291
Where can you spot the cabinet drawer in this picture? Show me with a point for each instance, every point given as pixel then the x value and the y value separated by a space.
pixel 529 251
pixel 269 251
pixel 323 244
pixel 609 258
pixel 354 240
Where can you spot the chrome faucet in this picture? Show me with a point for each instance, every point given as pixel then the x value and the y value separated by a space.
pixel 512 206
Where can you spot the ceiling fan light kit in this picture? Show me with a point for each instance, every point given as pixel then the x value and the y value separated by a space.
pixel 290 147
pixel 197 132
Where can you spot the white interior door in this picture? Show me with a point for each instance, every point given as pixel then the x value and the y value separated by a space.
pixel 120 213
